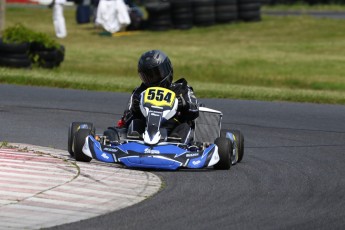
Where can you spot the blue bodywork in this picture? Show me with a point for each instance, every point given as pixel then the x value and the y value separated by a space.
pixel 136 154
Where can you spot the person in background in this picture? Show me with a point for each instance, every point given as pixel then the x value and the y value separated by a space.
pixel 136 15
pixel 94 6
pixel 112 15
pixel 58 18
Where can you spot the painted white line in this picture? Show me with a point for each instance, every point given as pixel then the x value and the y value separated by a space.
pixel 42 187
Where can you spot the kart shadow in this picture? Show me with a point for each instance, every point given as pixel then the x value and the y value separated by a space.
pixel 176 171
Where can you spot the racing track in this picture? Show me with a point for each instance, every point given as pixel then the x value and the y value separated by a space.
pixel 292 175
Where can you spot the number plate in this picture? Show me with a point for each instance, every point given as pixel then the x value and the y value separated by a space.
pixel 158 96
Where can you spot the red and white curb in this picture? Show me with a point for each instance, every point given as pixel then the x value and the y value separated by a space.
pixel 43 187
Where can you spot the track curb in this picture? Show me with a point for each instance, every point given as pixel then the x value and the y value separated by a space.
pixel 44 187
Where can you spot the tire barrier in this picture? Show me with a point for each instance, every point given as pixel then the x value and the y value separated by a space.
pixel 204 12
pixel 226 11
pixel 159 16
pixel 249 10
pixel 25 55
pixel 47 57
pixel 182 14
pixel 15 55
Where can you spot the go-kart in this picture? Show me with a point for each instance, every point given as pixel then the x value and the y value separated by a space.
pixel 154 148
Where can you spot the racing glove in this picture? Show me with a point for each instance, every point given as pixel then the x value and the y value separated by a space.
pixel 121 123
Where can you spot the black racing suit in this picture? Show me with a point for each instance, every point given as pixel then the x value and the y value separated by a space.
pixel 180 124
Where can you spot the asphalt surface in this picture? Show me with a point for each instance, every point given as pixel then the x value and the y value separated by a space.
pixel 291 177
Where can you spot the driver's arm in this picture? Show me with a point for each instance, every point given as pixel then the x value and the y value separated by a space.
pixel 188 105
pixel 133 109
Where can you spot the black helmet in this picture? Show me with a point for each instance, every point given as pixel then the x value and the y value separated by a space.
pixel 155 69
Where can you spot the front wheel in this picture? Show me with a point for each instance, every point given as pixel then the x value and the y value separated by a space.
pixel 78 144
pixel 224 150
pixel 73 128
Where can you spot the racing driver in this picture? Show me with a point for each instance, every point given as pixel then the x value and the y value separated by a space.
pixel 155 70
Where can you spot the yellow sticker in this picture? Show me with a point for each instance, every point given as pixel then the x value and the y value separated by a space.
pixel 158 96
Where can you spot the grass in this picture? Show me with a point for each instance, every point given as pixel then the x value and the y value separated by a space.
pixel 305 7
pixel 280 58
pixel 4 144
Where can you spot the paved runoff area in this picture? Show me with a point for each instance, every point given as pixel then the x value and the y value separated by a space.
pixel 43 187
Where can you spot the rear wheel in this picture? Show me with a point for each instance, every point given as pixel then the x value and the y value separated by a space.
pixel 78 144
pixel 73 128
pixel 224 150
pixel 239 138
pixel 240 144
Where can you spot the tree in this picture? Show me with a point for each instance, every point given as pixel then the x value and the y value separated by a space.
pixel 2 15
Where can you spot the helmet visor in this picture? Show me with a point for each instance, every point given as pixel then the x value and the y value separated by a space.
pixel 153 76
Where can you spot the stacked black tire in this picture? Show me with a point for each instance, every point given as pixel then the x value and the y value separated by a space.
pixel 204 12
pixel 249 10
pixel 47 57
pixel 226 11
pixel 182 14
pixel 25 55
pixel 159 16
pixel 15 55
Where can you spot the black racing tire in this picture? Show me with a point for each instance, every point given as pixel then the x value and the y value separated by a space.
pixel 226 9
pixel 226 13
pixel 223 133
pixel 247 1
pixel 157 7
pixel 203 3
pixel 48 57
pixel 14 55
pixel 159 16
pixel 224 149
pixel 250 15
pixel 160 26
pixel 38 46
pixel 61 54
pixel 249 7
pixel 161 23
pixel 239 142
pixel 72 129
pixel 226 2
pixel 79 141
pixel 204 11
pixel 204 20
pixel 183 6
pixel 182 14
pixel 48 64
pixel 185 26
pixel 226 17
pixel 18 48
pixel 15 62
